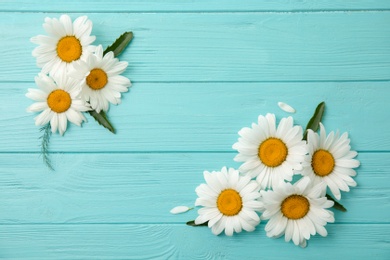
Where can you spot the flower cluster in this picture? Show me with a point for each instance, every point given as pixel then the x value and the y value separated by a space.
pixel 263 189
pixel 76 76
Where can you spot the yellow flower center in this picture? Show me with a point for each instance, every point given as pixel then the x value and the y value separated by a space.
pixel 97 79
pixel 295 207
pixel 272 152
pixel 59 101
pixel 229 202
pixel 69 49
pixel 322 163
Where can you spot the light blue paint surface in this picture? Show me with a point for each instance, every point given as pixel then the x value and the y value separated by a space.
pixel 201 71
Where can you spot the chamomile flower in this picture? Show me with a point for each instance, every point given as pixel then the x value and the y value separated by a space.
pixel 296 211
pixel 330 160
pixel 229 202
pixel 58 99
pixel 101 80
pixel 271 154
pixel 65 43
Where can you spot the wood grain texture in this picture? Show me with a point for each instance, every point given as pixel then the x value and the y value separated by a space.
pixel 190 6
pixel 183 242
pixel 201 70
pixel 143 188
pixel 240 47
pixel 203 116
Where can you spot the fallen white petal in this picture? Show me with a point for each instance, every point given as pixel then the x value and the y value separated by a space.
pixel 180 209
pixel 286 107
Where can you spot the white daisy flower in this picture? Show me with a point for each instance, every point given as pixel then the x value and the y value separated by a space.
pixel 101 82
pixel 297 211
pixel 229 201
pixel 330 160
pixel 58 99
pixel 271 154
pixel 65 43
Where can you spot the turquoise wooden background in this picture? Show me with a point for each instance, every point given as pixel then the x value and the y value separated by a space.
pixel 201 70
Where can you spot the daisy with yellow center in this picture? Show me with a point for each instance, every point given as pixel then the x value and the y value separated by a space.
pixel 229 202
pixel 330 160
pixel 65 43
pixel 270 153
pixel 101 80
pixel 296 211
pixel 58 99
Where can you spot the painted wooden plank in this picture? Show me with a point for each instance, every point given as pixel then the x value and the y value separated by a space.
pixel 227 47
pixel 190 6
pixel 360 241
pixel 143 188
pixel 203 116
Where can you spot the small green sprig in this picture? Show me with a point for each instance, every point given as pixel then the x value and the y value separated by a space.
pixel 45 145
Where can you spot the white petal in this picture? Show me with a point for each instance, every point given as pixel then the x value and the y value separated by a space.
pixel 321 230
pixel 67 23
pixel 36 94
pixel 302 184
pixel 289 230
pixel 74 117
pixel 285 107
pixel 79 26
pixel 179 209
pixel 250 164
pixel 304 228
pixel 200 220
pixel 322 135
pixel 118 68
pixel 229 227
pixel 38 106
pixel 212 181
pixel 317 190
pixel 333 187
pixel 249 214
pixel 348 163
pixel 54 122
pixel 44 117
pixel 247 225
pixel 236 224
pixel 296 233
pixel 62 123
pixel 99 51
pixel 214 219
pixel 271 120
pixel 219 226
pixel 205 191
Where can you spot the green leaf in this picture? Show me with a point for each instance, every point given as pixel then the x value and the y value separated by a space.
pixel 336 205
pixel 45 145
pixel 120 44
pixel 314 122
pixel 192 224
pixel 102 119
